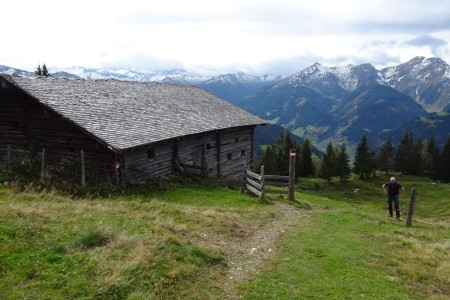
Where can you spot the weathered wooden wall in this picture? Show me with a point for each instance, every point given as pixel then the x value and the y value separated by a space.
pixel 236 151
pixel 141 163
pixel 224 152
pixel 26 126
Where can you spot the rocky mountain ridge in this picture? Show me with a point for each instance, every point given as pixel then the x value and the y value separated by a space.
pixel 322 103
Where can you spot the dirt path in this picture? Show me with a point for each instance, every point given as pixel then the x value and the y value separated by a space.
pixel 246 257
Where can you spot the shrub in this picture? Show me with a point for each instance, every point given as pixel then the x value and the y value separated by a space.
pixel 94 238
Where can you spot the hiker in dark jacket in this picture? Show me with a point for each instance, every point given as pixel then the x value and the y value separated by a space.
pixel 393 190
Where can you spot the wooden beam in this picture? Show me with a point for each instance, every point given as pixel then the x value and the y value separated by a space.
pixel 254 191
pixel 254 175
pixel 276 177
pixel 254 183
pixel 276 191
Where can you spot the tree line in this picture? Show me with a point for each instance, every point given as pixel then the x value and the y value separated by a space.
pixel 411 157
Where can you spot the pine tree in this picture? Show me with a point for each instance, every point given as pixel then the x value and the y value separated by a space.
pixel 45 72
pixel 270 160
pixel 431 159
pixel 364 163
pixel 256 163
pixel 404 155
pixel 444 173
pixel 38 71
pixel 298 160
pixel 416 168
pixel 284 146
pixel 307 163
pixel 327 168
pixel 342 163
pixel 386 157
pixel 42 71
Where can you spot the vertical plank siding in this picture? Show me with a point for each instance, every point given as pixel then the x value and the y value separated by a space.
pixel 27 126
pixel 137 166
pixel 235 151
pixel 186 146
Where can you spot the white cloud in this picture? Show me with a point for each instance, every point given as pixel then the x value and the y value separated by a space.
pixel 222 36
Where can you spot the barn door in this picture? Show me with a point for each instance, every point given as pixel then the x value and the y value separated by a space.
pixel 199 154
pixel 199 162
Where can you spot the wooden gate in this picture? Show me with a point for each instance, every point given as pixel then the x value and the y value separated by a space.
pixel 258 183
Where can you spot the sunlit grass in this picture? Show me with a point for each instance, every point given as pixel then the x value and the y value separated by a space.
pixel 171 243
pixel 349 249
pixel 142 244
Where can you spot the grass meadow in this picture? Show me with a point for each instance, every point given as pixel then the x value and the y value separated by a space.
pixel 171 243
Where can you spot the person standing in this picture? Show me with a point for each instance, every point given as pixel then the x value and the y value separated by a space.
pixel 393 190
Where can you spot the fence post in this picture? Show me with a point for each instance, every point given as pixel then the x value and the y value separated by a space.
pixel 291 174
pixel 9 156
pixel 262 181
pixel 411 207
pixel 83 170
pixel 244 179
pixel 43 163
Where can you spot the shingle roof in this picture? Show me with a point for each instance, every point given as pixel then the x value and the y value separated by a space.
pixel 125 114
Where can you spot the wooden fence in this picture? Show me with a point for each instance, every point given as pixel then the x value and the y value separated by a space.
pixel 46 160
pixel 258 183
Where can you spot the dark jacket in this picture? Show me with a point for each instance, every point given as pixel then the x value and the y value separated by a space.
pixel 393 188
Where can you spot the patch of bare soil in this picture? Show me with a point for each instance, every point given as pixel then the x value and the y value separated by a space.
pixel 248 255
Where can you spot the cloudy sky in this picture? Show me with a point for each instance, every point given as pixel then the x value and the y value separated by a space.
pixel 216 37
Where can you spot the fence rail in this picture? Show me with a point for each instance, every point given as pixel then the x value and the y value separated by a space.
pixel 258 183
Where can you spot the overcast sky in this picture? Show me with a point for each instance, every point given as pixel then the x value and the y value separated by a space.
pixel 212 37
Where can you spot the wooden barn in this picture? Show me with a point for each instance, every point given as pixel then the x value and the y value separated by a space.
pixel 131 131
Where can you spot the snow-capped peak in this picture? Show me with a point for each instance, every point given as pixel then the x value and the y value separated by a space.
pixel 175 76
pixel 241 78
pixel 345 76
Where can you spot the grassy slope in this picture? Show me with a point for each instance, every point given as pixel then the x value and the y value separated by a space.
pixel 169 245
pixel 350 249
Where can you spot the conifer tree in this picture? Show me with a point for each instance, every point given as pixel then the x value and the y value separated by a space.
pixel 256 163
pixel 431 159
pixel 285 144
pixel 444 173
pixel 342 163
pixel 404 155
pixel 307 167
pixel 42 71
pixel 276 157
pixel 38 71
pixel 417 159
pixel 298 160
pixel 270 160
pixel 363 165
pixel 386 157
pixel 327 168
pixel 45 72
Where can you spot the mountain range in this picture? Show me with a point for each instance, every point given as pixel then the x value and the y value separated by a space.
pixel 341 104
pixel 337 104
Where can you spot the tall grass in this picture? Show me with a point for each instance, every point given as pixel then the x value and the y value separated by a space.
pixel 171 243
pixel 349 249
pixel 161 244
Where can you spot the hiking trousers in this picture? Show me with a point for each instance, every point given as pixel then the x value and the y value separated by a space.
pixel 393 199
